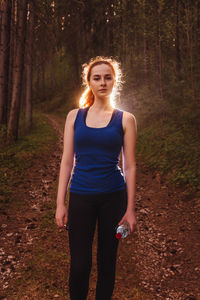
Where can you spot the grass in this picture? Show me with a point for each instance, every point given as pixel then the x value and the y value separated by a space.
pixel 16 159
pixel 170 144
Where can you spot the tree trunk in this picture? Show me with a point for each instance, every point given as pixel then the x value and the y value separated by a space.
pixel 159 50
pixel 13 35
pixel 144 42
pixel 123 31
pixel 189 16
pixel 177 43
pixel 13 123
pixel 108 25
pixel 4 58
pixel 43 86
pixel 29 56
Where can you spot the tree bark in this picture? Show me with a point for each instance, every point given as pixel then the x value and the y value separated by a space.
pixel 159 49
pixel 144 42
pixel 13 123
pixel 123 31
pixel 13 36
pixel 177 43
pixel 189 16
pixel 4 58
pixel 29 56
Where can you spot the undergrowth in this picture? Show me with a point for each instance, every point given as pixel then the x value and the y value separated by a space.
pixel 169 142
pixel 17 158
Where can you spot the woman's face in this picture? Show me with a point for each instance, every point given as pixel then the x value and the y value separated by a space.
pixel 101 80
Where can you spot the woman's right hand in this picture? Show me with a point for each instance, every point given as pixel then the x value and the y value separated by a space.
pixel 61 215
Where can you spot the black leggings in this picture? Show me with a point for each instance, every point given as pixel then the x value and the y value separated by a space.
pixel 84 211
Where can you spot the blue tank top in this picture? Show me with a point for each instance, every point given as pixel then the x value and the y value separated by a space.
pixel 97 152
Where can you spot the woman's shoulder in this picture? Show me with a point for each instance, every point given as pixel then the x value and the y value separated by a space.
pixel 71 116
pixel 72 113
pixel 128 119
pixel 127 116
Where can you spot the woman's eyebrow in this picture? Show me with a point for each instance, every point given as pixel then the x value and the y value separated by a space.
pixel 98 75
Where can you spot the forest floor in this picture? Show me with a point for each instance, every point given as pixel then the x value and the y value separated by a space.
pixel 160 260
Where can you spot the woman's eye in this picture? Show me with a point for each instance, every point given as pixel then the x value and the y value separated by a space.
pixel 106 78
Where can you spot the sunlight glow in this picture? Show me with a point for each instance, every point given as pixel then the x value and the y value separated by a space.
pixel 112 97
pixel 82 99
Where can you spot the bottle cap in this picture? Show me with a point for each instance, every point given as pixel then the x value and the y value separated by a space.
pixel 118 235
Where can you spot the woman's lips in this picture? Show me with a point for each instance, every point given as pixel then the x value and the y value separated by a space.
pixel 102 90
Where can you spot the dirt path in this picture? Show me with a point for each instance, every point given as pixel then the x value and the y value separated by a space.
pixel 159 261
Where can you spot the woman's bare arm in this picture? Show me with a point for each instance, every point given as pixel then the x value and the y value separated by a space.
pixel 66 167
pixel 129 166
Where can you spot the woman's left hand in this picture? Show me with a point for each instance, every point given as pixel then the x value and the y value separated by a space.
pixel 130 218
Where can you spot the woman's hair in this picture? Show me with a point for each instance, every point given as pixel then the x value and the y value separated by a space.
pixel 87 97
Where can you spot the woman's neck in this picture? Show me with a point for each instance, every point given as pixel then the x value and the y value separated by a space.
pixel 101 105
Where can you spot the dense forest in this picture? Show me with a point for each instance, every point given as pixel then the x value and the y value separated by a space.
pixel 44 43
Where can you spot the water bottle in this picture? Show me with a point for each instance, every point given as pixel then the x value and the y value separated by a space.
pixel 122 231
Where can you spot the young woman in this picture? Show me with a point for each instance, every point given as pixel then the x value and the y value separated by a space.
pixel 95 134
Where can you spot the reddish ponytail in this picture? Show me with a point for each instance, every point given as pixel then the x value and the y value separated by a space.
pixel 87 98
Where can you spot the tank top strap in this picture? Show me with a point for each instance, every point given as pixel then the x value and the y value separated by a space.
pixel 118 115
pixel 79 117
pixel 117 119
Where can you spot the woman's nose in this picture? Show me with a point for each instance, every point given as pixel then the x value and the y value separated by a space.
pixel 103 82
